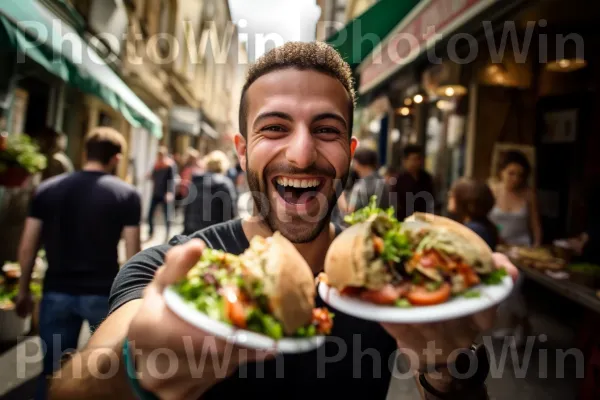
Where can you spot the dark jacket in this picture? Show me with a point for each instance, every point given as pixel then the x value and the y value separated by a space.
pixel 212 199
pixel 413 195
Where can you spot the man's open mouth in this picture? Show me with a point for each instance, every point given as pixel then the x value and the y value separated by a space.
pixel 297 190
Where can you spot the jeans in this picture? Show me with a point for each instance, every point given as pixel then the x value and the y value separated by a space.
pixel 166 209
pixel 61 317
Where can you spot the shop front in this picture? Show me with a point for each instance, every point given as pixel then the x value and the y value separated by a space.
pixel 421 68
pixel 40 54
pixel 53 78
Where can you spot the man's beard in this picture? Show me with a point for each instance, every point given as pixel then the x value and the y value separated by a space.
pixel 260 195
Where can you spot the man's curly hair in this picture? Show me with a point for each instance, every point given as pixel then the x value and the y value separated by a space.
pixel 316 56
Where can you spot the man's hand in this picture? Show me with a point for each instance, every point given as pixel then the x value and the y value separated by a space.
pixel 24 304
pixel 169 197
pixel 440 342
pixel 164 342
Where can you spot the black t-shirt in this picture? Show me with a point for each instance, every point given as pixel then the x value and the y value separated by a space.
pixel 83 215
pixel 355 361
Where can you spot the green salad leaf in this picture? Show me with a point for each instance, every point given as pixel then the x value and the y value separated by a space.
pixel 363 214
pixel 396 246
pixel 472 294
pixel 403 303
pixel 260 322
pixel 495 277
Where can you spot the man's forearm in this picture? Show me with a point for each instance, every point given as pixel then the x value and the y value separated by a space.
pixel 27 262
pixel 94 373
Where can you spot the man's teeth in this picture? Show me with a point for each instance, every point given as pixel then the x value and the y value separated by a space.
pixel 298 183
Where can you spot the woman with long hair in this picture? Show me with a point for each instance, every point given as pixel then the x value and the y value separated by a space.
pixel 518 221
pixel 516 212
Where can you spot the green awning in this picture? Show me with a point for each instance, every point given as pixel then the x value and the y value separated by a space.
pixel 361 35
pixel 31 29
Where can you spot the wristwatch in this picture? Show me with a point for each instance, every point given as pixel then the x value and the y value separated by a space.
pixel 466 384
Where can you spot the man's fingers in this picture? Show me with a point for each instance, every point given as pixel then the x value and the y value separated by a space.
pixel 501 260
pixel 178 261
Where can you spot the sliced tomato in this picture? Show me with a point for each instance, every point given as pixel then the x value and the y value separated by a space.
pixel 386 295
pixel 322 320
pixel 234 307
pixel 420 296
pixel 351 291
pixel 378 244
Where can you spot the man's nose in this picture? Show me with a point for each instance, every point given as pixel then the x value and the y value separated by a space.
pixel 301 150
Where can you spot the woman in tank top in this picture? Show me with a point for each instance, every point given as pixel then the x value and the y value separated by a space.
pixel 516 216
pixel 515 212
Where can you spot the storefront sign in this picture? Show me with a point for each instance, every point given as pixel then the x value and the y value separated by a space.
pixel 415 34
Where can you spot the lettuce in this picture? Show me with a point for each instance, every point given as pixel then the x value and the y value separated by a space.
pixel 363 214
pixel 266 324
pixel 495 277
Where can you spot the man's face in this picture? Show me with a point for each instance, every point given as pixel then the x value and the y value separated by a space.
pixel 297 149
pixel 413 162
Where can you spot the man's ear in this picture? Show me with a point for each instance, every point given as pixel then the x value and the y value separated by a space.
pixel 240 148
pixel 353 146
pixel 117 159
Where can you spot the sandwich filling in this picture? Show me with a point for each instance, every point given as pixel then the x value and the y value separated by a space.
pixel 423 267
pixel 236 290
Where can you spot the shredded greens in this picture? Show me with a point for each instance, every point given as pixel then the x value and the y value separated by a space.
pixel 396 246
pixel 472 294
pixel 403 303
pixel 495 277
pixel 365 213
pixel 433 286
pixel 258 321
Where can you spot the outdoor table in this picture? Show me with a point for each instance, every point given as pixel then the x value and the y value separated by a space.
pixel 574 291
pixel 587 339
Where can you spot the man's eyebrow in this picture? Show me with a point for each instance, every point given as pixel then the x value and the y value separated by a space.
pixel 337 117
pixel 272 114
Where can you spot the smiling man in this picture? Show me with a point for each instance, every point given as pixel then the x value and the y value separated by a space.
pixel 295 145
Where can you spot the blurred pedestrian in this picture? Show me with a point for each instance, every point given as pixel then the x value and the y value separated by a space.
pixel 78 218
pixel 470 202
pixel 369 183
pixel 54 144
pixel 163 176
pixel 390 175
pixel 516 211
pixel 192 166
pixel 414 186
pixel 215 197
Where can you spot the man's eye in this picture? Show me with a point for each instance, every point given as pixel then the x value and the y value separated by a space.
pixel 274 128
pixel 326 129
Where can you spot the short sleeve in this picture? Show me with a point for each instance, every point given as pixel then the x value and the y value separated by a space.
pixel 36 206
pixel 135 275
pixel 133 210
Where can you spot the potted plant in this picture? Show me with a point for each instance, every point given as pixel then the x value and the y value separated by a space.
pixel 20 157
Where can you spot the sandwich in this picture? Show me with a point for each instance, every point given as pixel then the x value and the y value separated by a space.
pixel 268 289
pixel 424 261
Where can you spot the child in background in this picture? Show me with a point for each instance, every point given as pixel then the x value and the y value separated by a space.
pixel 470 202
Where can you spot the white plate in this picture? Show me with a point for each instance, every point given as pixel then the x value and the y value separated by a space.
pixel 455 308
pixel 241 337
